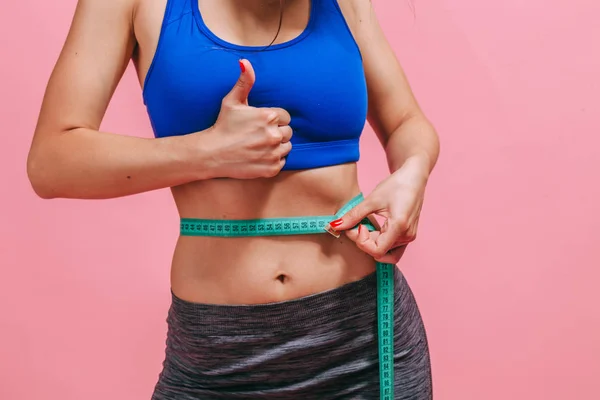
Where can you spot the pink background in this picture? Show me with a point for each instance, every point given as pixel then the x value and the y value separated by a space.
pixel 506 268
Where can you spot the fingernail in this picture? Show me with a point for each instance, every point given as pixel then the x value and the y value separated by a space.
pixel 336 223
pixel 242 66
pixel 359 229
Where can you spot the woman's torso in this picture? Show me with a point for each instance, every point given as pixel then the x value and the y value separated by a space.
pixel 263 269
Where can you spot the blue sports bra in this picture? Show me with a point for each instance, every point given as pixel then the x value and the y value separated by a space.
pixel 317 77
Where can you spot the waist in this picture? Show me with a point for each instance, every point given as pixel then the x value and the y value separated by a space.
pixel 321 191
pixel 274 260
pixel 298 225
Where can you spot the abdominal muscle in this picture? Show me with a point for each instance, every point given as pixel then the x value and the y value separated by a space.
pixel 256 270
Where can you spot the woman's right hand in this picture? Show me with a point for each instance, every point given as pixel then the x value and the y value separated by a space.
pixel 249 142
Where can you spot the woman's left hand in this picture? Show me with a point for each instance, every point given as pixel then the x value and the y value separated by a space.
pixel 398 199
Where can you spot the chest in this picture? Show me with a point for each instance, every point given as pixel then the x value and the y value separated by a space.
pixel 317 77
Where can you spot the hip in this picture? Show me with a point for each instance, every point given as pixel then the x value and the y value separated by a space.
pixel 316 347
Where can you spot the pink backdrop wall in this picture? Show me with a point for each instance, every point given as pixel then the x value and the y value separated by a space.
pixel 506 267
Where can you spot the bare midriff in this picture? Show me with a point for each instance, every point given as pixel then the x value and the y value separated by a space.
pixel 259 269
pixel 256 270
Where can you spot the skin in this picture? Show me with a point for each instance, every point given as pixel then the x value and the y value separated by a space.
pixel 239 158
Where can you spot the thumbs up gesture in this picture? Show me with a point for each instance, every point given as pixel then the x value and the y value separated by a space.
pixel 250 142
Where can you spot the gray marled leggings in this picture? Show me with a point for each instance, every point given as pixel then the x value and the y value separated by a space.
pixel 321 347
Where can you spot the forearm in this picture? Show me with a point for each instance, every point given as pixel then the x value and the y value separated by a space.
pixel 414 140
pixel 87 164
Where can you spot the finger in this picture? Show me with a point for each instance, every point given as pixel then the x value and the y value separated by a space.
pixel 393 256
pixel 282 163
pixel 393 232
pixel 379 244
pixel 364 239
pixel 364 236
pixel 283 117
pixel 243 86
pixel 284 149
pixel 353 234
pixel 353 217
pixel 286 133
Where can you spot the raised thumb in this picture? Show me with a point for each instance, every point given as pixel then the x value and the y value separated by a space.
pixel 243 86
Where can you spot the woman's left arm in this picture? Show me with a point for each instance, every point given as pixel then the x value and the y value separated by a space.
pixel 409 139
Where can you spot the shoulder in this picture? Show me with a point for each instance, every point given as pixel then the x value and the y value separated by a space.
pixel 356 12
pixel 105 13
pixel 120 7
pixel 360 17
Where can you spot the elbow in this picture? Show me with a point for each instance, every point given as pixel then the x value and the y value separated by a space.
pixel 39 178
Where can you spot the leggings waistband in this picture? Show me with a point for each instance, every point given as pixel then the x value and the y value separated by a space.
pixel 342 304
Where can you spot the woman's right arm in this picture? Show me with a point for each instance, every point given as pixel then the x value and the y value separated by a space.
pixel 69 157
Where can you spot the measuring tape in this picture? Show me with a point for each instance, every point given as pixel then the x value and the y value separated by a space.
pixel 308 226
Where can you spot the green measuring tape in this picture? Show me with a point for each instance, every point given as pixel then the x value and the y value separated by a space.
pixel 308 226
